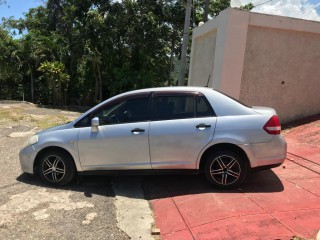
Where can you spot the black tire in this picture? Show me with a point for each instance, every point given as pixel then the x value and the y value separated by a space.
pixel 56 168
pixel 225 169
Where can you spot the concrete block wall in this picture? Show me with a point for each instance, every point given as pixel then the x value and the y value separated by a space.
pixel 260 59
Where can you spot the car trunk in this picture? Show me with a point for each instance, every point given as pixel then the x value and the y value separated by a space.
pixel 264 110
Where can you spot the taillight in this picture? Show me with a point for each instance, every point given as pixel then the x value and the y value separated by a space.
pixel 273 125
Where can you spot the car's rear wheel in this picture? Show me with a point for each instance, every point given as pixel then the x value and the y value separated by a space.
pixel 56 168
pixel 225 169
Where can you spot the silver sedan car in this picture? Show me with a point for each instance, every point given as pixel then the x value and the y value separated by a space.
pixel 160 130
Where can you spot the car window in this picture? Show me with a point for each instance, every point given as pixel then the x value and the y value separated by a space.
pixel 173 107
pixel 203 107
pixel 132 110
pixel 236 100
pixel 127 111
pixel 84 122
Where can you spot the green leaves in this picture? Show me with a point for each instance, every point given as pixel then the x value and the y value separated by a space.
pixel 248 6
pixel 90 50
pixel 10 64
pixel 54 71
pixel 57 80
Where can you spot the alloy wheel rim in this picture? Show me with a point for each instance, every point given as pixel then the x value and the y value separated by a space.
pixel 53 168
pixel 225 170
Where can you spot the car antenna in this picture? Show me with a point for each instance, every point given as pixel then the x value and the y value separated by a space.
pixel 208 81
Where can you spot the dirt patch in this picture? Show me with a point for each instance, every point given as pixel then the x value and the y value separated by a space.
pixel 26 201
pixel 32 116
pixel 30 210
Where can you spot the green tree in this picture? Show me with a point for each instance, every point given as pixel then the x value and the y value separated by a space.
pixel 10 65
pixel 203 8
pixel 57 81
pixel 248 6
pixel 106 47
pixel 35 48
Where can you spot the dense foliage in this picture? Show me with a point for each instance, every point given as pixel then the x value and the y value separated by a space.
pixel 84 51
pixel 248 6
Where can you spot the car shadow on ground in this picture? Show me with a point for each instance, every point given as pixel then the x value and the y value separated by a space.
pixel 88 185
pixel 162 186
pixel 156 187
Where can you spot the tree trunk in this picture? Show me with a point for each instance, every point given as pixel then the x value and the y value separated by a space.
pixel 96 92
pixel 171 61
pixel 206 11
pixel 53 93
pixel 184 47
pixel 100 83
pixel 65 97
pixel 31 83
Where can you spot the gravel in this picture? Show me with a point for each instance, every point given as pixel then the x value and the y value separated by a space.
pixel 31 210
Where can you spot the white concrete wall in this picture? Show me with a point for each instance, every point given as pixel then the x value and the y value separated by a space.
pixel 214 54
pixel 282 70
pixel 204 55
pixel 260 59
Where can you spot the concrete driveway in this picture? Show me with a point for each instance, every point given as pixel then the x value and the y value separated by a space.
pixel 282 203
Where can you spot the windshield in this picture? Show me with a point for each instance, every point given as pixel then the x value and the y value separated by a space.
pixel 238 101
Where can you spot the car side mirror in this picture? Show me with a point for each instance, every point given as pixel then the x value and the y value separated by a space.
pixel 95 124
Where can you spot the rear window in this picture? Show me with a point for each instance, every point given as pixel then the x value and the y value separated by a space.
pixel 181 106
pixel 173 107
pixel 236 100
pixel 203 108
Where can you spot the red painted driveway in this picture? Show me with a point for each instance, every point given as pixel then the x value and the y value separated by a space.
pixel 273 204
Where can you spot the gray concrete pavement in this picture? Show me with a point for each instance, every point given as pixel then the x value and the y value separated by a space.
pixel 83 210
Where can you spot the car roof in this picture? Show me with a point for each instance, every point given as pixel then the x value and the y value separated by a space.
pixel 222 104
pixel 175 88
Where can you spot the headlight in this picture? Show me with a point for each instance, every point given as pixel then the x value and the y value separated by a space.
pixel 32 140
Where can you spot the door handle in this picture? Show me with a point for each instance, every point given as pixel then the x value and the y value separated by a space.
pixel 203 126
pixel 137 130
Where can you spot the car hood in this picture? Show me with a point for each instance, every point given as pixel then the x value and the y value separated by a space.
pixel 264 110
pixel 56 128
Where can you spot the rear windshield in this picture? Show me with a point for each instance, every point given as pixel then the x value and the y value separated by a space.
pixel 234 99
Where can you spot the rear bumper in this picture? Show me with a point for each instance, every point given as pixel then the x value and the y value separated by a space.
pixel 266 155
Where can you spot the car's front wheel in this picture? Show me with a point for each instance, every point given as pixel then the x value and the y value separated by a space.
pixel 225 169
pixel 56 168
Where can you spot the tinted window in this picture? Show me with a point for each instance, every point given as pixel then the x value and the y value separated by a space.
pixel 173 107
pixel 203 107
pixel 132 110
pixel 84 122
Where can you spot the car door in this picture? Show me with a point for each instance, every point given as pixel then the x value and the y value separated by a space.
pixel 182 125
pixel 121 139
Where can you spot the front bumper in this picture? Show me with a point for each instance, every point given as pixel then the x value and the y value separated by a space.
pixel 266 154
pixel 27 157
